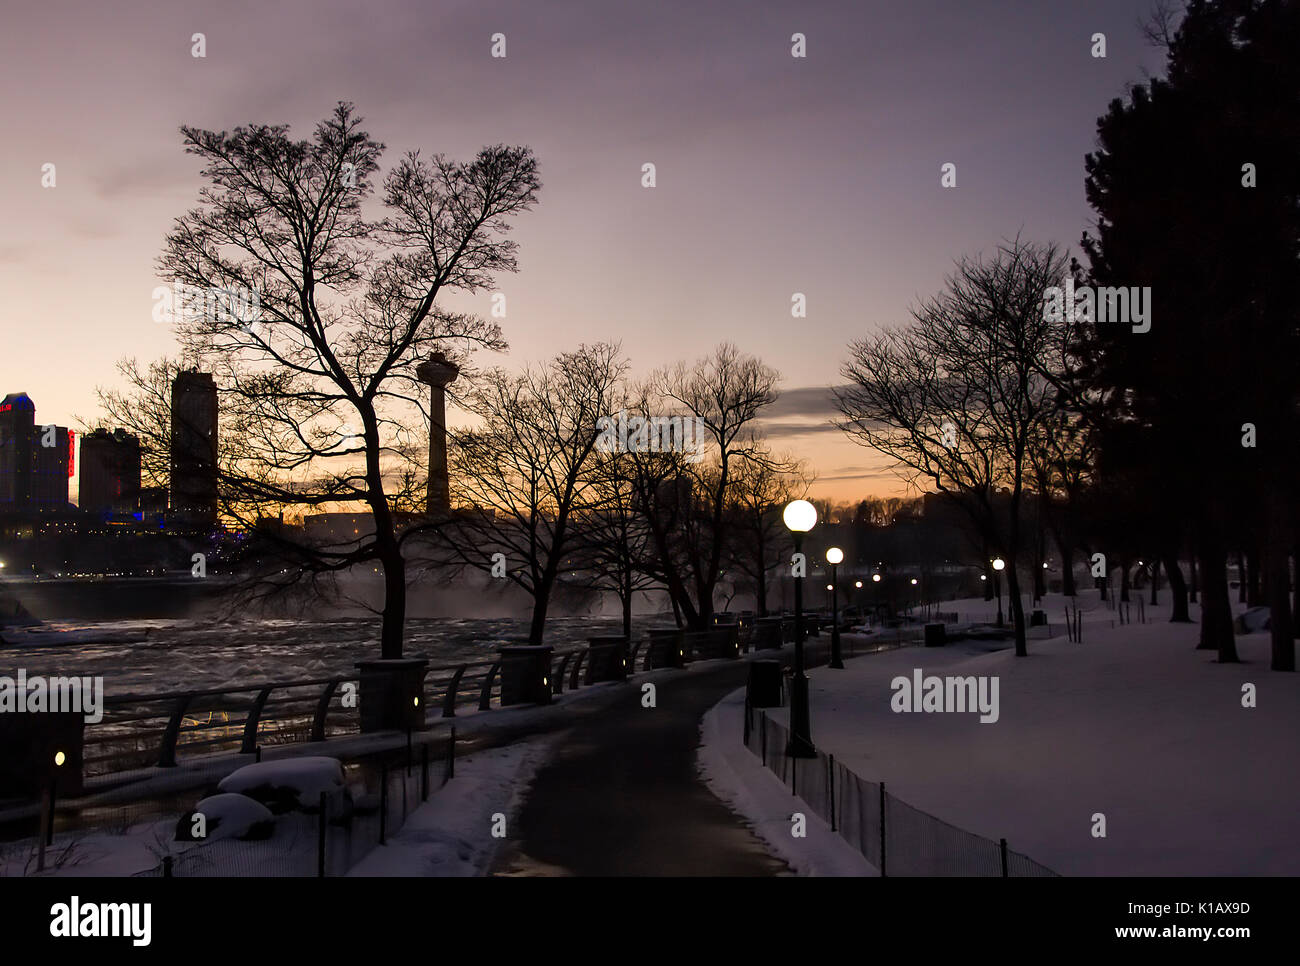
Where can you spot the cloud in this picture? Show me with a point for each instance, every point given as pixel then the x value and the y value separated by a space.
pixel 805 402
pixel 778 430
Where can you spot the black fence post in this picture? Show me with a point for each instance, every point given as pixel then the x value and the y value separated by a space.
pixel 49 826
pixel 257 754
pixel 450 773
pixel 1003 847
pixel 320 837
pixel 167 867
pixel 424 772
pixel 882 830
pixel 383 801
pixel 830 783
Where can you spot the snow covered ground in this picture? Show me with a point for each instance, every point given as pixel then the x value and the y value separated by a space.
pixel 451 833
pixel 1133 724
pixel 737 777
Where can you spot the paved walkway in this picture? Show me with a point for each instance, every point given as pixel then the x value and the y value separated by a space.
pixel 621 796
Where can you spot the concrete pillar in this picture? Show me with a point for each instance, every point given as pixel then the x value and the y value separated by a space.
pixel 439 372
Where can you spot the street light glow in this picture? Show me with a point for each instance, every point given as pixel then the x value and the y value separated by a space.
pixel 857 584
pixel 834 555
pixel 999 564
pixel 875 578
pixel 800 516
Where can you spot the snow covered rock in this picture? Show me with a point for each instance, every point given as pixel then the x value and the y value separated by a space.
pixel 1255 619
pixel 227 816
pixel 295 783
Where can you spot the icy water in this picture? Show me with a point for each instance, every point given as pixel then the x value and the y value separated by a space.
pixel 185 654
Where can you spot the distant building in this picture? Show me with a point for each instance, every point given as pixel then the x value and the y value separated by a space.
pixel 109 474
pixel 338 529
pixel 194 448
pixel 34 460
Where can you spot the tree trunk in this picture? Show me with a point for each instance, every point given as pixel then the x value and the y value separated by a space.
pixel 1124 584
pixel 1216 611
pixel 541 601
pixel 1241 577
pixel 1253 596
pixel 1178 590
pixel 988 578
pixel 1067 571
pixel 1017 608
pixel 1155 580
pixel 1295 596
pixel 394 619
pixel 1281 631
pixel 1195 581
pixel 627 604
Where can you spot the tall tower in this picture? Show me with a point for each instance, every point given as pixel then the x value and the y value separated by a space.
pixel 194 447
pixel 439 372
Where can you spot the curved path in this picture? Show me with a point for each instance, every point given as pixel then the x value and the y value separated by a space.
pixel 621 795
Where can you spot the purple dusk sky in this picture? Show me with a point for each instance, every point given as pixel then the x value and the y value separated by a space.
pixel 776 175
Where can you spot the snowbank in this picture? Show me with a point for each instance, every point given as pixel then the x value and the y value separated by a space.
pixel 451 833
pixel 737 777
pixel 287 784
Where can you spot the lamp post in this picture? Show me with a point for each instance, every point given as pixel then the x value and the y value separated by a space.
pixel 875 606
pixel 998 566
pixel 834 556
pixel 800 516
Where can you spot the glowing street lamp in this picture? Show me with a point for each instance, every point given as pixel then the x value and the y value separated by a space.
pixel 799 516
pixel 834 556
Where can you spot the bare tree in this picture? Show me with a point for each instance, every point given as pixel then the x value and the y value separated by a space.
pixel 521 477
pixel 761 489
pixel 319 379
pixel 958 397
pixel 687 500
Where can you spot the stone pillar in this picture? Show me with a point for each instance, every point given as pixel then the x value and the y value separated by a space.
pixel 392 694
pixel 526 674
pixel 439 372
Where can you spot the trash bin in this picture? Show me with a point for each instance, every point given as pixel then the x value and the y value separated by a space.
pixel 765 683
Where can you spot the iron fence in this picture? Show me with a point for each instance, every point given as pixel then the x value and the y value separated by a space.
pixel 893 836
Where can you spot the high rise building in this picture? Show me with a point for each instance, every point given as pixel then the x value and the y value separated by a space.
pixel 109 474
pixel 34 459
pixel 194 447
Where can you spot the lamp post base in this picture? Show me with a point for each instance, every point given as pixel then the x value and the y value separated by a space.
pixel 837 659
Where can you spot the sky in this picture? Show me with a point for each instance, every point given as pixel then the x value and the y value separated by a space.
pixel 775 175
